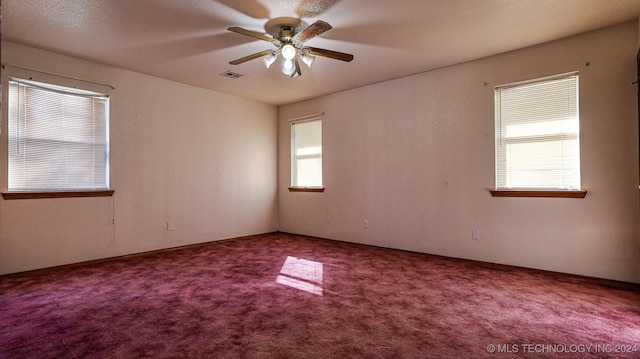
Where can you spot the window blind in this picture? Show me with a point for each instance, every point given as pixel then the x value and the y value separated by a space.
pixel 537 134
pixel 306 149
pixel 58 138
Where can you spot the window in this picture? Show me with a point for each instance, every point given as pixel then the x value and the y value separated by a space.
pixel 306 153
pixel 58 138
pixel 537 135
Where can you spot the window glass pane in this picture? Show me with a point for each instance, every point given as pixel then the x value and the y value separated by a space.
pixel 309 172
pixel 551 164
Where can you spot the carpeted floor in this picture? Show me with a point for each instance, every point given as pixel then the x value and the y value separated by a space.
pixel 287 296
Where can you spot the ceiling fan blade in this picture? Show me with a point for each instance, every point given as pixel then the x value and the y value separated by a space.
pixel 253 34
pixel 313 30
pixel 250 57
pixel 297 68
pixel 330 54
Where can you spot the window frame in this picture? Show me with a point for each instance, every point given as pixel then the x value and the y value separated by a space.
pixel 533 191
pixel 292 167
pixel 35 193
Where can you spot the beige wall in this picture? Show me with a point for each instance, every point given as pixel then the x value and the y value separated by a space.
pixel 200 159
pixel 415 157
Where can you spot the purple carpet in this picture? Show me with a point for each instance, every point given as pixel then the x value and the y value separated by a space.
pixel 288 296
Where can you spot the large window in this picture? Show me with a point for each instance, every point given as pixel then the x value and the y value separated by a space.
pixel 537 135
pixel 58 138
pixel 306 153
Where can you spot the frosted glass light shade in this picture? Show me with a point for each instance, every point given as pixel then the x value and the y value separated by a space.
pixel 288 68
pixel 268 59
pixel 288 52
pixel 308 59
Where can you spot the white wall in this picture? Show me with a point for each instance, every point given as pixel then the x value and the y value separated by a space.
pixel 415 157
pixel 200 159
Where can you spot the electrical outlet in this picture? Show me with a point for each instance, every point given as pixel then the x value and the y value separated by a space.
pixel 169 226
pixel 365 224
pixel 475 234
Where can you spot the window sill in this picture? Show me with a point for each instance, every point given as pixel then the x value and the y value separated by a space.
pixel 67 194
pixel 541 193
pixel 306 189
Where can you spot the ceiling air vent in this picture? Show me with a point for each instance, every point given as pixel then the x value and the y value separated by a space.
pixel 230 74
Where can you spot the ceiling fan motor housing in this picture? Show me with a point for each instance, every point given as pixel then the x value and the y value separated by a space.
pixel 286 33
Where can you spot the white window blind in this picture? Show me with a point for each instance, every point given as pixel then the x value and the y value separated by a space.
pixel 306 153
pixel 537 134
pixel 58 138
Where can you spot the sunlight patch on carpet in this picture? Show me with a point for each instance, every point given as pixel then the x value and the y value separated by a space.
pixel 301 274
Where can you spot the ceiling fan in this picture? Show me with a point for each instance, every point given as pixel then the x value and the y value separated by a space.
pixel 289 40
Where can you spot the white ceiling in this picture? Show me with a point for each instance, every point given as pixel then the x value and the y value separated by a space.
pixel 188 41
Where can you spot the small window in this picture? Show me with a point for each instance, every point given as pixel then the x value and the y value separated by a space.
pixel 537 135
pixel 58 138
pixel 306 153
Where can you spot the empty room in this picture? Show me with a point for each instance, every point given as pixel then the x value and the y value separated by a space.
pixel 319 179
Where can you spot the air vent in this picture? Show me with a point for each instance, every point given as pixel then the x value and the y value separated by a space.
pixel 230 74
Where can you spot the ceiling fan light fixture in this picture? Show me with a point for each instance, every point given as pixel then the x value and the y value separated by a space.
pixel 288 51
pixel 268 59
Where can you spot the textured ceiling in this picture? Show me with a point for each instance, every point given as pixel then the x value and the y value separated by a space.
pixel 187 40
